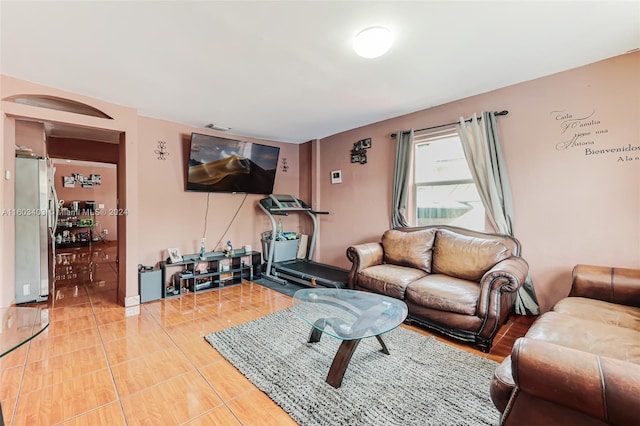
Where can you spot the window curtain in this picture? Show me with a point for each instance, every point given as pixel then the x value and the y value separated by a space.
pixel 402 178
pixel 483 151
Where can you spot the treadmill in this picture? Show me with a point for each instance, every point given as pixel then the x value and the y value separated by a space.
pixel 302 271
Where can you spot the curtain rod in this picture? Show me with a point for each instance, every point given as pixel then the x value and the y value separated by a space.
pixel 393 135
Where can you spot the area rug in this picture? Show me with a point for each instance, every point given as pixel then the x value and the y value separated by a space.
pixel 421 382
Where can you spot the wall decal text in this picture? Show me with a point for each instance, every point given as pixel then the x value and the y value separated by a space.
pixel 585 131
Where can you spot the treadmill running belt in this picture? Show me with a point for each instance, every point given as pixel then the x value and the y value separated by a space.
pixel 316 270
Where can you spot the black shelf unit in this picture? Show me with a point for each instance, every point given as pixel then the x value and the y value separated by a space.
pixel 79 224
pixel 182 276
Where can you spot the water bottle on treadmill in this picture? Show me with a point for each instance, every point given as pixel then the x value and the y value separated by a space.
pixel 279 236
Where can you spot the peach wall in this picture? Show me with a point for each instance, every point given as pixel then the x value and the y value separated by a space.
pixel 304 163
pixel 173 217
pixel 105 193
pixel 80 149
pixel 570 207
pixel 7 223
pixel 30 134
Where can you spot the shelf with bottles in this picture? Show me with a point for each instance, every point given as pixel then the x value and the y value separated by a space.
pixel 73 238
pixel 74 227
pixel 213 270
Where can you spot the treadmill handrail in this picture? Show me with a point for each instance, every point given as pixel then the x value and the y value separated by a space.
pixel 270 207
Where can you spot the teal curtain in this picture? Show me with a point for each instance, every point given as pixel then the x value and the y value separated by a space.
pixel 483 151
pixel 402 178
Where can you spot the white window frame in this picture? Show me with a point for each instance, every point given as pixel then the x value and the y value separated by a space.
pixel 479 222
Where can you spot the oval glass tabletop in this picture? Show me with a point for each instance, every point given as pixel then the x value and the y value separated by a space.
pixel 20 325
pixel 348 314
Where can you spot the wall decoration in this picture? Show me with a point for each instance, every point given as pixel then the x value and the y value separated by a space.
pixel 585 133
pixel 336 176
pixel 82 180
pixel 359 151
pixel 285 166
pixel 162 150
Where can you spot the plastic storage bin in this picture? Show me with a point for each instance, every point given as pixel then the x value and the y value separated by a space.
pixel 283 250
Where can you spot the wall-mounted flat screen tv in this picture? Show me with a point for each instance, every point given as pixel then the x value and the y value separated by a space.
pixel 227 165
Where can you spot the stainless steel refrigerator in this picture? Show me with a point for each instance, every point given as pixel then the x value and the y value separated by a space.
pixel 34 214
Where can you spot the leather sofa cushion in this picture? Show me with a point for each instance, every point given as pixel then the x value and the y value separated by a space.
pixel 586 335
pixel 601 311
pixel 444 293
pixel 390 280
pixel 411 249
pixel 466 257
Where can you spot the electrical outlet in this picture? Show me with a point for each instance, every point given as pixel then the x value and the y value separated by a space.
pixel 105 231
pixel 25 289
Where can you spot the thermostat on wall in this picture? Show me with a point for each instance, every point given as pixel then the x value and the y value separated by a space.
pixel 336 176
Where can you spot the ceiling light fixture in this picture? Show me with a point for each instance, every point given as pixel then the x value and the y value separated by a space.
pixel 216 127
pixel 372 42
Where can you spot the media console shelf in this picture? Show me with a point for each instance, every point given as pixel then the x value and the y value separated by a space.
pixel 214 271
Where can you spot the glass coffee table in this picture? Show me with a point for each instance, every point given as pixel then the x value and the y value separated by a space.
pixel 348 315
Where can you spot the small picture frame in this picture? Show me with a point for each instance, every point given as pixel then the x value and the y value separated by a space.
pixel 174 255
pixel 336 176
pixel 359 158
pixel 69 181
pixel 365 143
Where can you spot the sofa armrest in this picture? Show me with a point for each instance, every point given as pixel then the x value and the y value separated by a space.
pixel 561 385
pixel 616 285
pixel 506 276
pixel 363 256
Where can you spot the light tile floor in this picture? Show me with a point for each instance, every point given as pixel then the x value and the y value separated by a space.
pixel 94 365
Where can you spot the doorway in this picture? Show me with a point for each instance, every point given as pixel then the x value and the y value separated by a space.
pixel 84 265
pixel 83 250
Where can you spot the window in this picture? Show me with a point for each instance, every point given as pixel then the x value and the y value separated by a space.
pixel 445 193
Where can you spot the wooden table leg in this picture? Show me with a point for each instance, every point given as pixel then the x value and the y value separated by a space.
pixel 341 361
pixel 384 347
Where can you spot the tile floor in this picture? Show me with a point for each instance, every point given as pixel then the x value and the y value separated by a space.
pixel 94 365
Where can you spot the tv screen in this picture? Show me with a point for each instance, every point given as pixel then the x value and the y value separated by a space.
pixel 227 165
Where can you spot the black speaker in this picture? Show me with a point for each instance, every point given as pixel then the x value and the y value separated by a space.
pixel 150 285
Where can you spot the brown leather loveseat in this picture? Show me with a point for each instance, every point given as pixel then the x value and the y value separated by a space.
pixel 456 281
pixel 578 364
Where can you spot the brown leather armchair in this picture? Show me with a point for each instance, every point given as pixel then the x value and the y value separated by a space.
pixel 557 385
pixel 578 364
pixel 459 282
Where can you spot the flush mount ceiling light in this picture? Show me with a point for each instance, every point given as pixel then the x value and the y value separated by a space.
pixel 372 42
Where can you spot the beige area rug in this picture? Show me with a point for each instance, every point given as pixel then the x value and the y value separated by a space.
pixel 422 381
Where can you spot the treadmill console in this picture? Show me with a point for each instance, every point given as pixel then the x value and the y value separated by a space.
pixel 282 201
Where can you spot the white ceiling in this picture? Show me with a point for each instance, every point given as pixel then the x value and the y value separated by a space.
pixel 285 71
